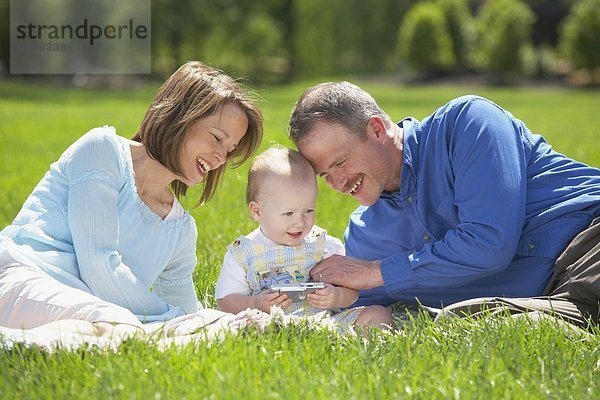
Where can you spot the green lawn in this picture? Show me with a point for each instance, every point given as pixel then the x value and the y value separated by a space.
pixel 459 359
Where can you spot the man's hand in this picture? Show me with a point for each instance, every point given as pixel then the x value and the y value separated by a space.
pixel 348 272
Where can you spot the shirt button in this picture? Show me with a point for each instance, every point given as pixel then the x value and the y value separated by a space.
pixel 426 237
pixel 531 246
pixel 410 199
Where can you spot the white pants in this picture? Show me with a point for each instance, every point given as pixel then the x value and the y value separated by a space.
pixel 30 298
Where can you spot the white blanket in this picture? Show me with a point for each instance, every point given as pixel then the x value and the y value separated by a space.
pixel 204 325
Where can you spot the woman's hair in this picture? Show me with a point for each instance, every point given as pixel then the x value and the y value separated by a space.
pixel 277 160
pixel 340 103
pixel 196 91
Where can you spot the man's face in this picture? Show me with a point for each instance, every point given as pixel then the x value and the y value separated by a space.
pixel 350 164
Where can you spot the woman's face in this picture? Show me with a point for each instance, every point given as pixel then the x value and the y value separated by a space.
pixel 209 141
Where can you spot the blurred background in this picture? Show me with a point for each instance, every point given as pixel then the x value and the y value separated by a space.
pixel 507 42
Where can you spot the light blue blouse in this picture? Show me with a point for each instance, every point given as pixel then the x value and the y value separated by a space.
pixel 85 225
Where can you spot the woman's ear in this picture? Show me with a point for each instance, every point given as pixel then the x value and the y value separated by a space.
pixel 254 208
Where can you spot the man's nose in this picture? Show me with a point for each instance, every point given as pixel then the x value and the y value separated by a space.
pixel 336 181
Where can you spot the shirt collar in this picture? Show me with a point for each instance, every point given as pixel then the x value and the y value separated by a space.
pixel 410 144
pixel 410 153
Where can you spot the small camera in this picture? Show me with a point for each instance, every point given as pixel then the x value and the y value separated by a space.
pixel 297 291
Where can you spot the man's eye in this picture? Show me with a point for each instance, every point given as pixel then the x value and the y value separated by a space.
pixel 218 139
pixel 341 163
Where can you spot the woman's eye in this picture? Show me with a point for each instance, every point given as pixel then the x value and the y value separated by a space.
pixel 218 139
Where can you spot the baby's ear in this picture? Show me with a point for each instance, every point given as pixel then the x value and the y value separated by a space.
pixel 254 208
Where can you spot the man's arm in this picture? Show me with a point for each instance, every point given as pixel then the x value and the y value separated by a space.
pixel 487 164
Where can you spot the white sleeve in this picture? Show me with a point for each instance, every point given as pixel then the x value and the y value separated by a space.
pixel 232 278
pixel 333 246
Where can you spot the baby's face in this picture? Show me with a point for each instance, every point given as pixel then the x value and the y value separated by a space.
pixel 286 209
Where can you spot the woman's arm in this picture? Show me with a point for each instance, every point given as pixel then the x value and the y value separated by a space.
pixel 95 174
pixel 175 285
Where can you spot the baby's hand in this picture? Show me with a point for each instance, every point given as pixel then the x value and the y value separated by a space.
pixel 265 300
pixel 327 297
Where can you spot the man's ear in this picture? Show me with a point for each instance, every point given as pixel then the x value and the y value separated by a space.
pixel 254 208
pixel 376 125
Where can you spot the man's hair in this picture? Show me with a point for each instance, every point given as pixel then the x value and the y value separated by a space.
pixel 340 103
pixel 277 160
pixel 196 91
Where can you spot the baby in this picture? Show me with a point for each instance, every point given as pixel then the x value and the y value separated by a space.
pixel 282 196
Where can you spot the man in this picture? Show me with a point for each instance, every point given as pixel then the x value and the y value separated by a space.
pixel 465 204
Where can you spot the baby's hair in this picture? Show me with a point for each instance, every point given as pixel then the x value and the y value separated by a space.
pixel 277 160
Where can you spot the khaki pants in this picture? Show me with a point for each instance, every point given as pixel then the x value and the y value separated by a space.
pixel 572 294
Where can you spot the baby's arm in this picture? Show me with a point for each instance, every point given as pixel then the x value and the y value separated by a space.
pixel 333 297
pixel 234 303
pixel 233 291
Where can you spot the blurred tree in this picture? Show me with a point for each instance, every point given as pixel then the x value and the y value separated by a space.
pixel 272 41
pixel 549 14
pixel 240 37
pixel 175 23
pixel 424 41
pixel 247 41
pixel 4 36
pixel 580 40
pixel 460 27
pixel 283 14
pixel 367 32
pixel 503 35
pixel 314 39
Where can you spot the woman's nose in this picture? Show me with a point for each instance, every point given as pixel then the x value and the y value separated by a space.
pixel 221 155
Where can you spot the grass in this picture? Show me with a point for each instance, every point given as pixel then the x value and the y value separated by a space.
pixel 494 358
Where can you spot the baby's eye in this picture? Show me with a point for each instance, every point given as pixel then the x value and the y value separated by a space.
pixel 309 210
pixel 288 213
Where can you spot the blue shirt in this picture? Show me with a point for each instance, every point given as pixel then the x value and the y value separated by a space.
pixel 484 208
pixel 85 225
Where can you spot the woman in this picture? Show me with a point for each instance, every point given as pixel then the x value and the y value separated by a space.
pixel 102 237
